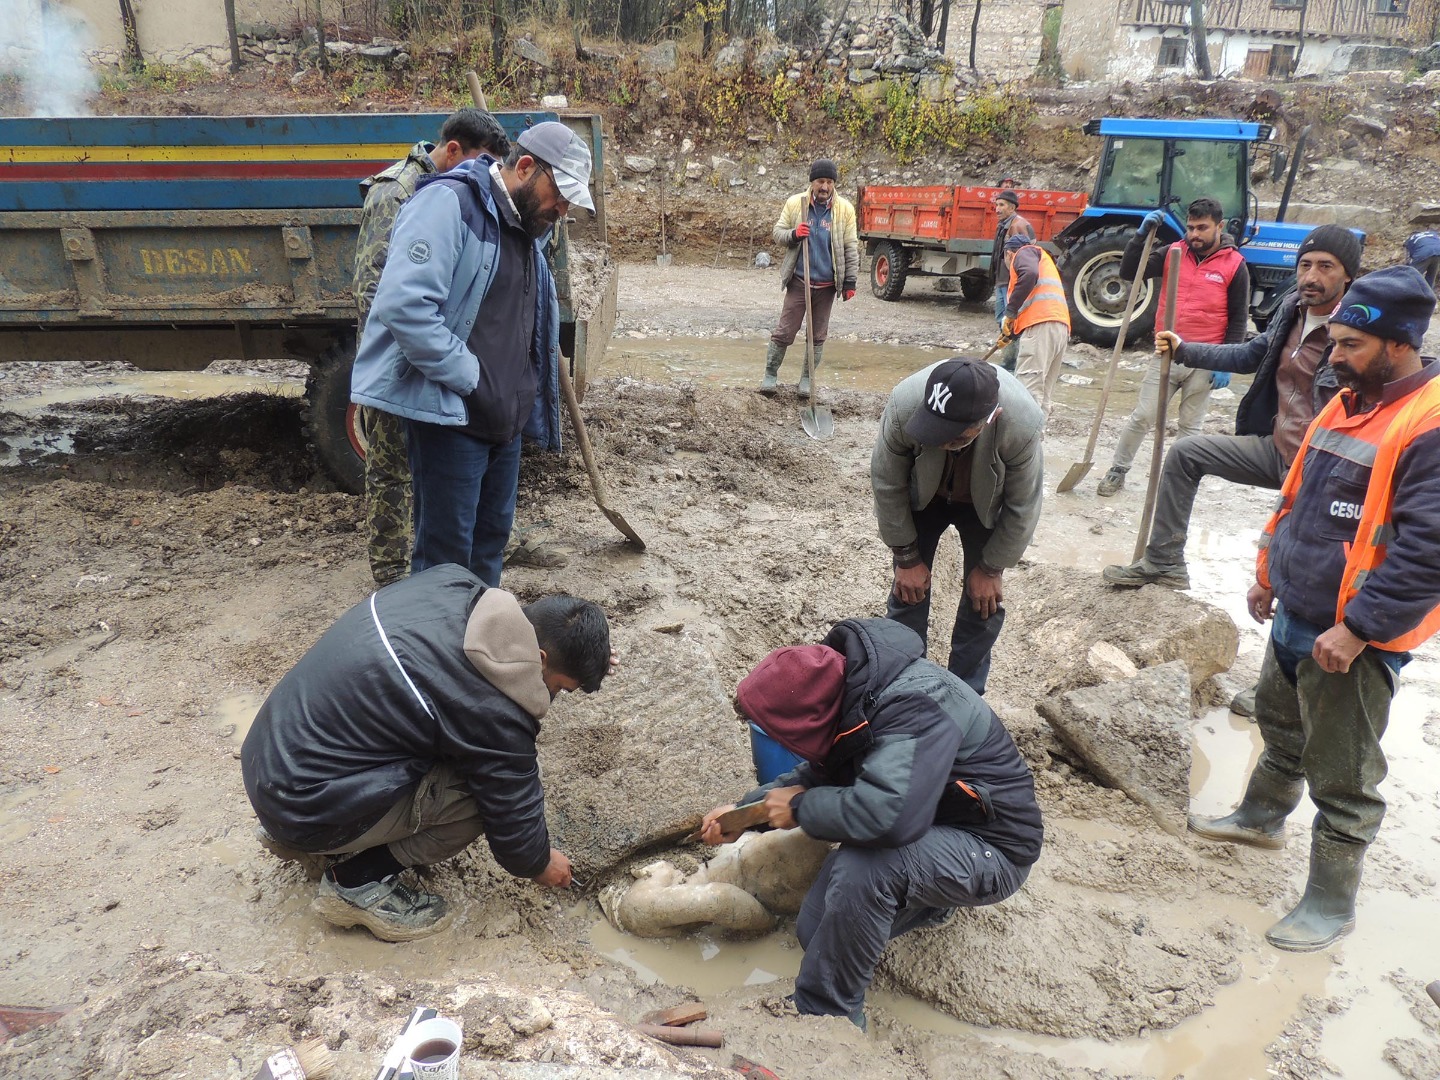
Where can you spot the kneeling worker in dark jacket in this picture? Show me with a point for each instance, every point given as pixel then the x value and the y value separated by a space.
pixel 408 730
pixel 915 777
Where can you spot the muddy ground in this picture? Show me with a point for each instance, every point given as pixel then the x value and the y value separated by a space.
pixel 164 559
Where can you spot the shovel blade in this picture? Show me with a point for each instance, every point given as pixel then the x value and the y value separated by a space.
pixel 1074 476
pixel 620 523
pixel 664 260
pixel 817 422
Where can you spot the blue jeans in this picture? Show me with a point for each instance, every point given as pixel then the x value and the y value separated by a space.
pixel 1294 640
pixel 464 499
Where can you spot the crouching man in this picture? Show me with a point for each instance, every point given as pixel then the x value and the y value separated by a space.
pixel 915 777
pixel 408 730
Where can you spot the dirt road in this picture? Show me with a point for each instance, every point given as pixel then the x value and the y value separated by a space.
pixel 164 559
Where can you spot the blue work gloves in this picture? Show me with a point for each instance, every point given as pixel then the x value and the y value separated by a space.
pixel 1219 380
pixel 1152 221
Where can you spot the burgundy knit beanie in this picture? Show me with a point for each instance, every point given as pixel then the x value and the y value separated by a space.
pixel 793 695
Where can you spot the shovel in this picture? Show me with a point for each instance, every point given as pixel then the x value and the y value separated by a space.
pixel 1157 458
pixel 815 419
pixel 597 486
pixel 1080 468
pixel 664 258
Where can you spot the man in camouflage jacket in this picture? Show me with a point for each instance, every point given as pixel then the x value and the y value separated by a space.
pixel 388 511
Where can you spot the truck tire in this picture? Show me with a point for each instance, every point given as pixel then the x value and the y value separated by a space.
pixel 888 267
pixel 332 420
pixel 976 287
pixel 1097 293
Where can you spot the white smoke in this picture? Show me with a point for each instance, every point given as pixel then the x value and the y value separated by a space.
pixel 45 46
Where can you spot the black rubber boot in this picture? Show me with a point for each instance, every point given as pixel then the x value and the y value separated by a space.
pixel 774 357
pixel 1327 910
pixel 1259 820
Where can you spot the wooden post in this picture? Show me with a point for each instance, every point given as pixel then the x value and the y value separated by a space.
pixel 234 36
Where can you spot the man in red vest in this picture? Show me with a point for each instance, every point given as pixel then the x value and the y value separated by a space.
pixel 1036 313
pixel 1212 306
pixel 1347 570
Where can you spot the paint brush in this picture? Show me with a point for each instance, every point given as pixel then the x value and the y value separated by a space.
pixel 310 1060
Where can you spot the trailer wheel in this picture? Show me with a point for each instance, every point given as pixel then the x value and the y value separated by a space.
pixel 332 420
pixel 976 287
pixel 1097 293
pixel 888 267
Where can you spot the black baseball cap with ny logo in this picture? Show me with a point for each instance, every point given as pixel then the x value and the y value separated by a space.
pixel 959 393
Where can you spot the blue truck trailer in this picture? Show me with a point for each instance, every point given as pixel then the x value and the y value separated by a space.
pixel 171 242
pixel 1166 164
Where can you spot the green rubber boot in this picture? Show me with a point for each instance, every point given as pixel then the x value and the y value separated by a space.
pixel 802 388
pixel 1259 820
pixel 1327 910
pixel 774 357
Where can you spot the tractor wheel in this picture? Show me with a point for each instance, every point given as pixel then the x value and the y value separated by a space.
pixel 332 420
pixel 1097 293
pixel 888 267
pixel 975 287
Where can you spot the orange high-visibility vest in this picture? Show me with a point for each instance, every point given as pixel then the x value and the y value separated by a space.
pixel 1046 302
pixel 1409 418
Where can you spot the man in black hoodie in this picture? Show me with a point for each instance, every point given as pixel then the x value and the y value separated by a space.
pixel 408 730
pixel 910 772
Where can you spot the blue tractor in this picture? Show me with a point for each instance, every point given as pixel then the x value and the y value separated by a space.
pixel 1167 164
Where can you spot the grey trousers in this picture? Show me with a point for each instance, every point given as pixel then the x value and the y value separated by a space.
pixel 864 897
pixel 1241 459
pixel 1042 350
pixel 1193 386
pixel 438 820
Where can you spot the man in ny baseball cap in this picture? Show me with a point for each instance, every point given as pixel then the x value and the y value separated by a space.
pixel 959 447
pixel 567 157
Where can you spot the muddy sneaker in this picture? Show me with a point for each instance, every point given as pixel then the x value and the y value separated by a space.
pixel 1111 482
pixel 389 909
pixel 534 552
pixel 1143 573
pixel 313 865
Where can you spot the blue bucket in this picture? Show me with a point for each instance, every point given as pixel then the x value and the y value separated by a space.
pixel 771 759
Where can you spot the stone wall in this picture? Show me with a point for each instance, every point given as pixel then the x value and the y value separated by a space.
pixel 170 31
pixel 1007 44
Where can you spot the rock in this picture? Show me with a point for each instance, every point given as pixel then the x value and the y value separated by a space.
pixel 1108 663
pixel 694 170
pixel 1133 734
pixel 379 52
pixel 937 87
pixel 863 75
pixel 528 50
pixel 861 41
pixel 731 59
pixel 660 59
pixel 341 48
pixel 1424 213
pixel 554 101
pixel 687 145
pixel 1366 126
pixel 862 58
pixel 638 163
pixel 637 766
pixel 1076 380
pixel 770 60
pixel 260 31
pixel 1428 58
pixel 763 260
pixel 1056 614
pixel 724 167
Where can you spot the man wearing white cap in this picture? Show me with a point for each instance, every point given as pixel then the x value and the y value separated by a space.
pixel 463 339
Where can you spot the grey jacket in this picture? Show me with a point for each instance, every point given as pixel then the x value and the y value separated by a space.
pixel 1006 480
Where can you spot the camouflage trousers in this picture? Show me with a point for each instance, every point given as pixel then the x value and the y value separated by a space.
pixel 389 509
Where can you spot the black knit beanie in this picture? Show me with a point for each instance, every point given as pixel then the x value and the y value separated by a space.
pixel 1394 303
pixel 1338 241
pixel 823 169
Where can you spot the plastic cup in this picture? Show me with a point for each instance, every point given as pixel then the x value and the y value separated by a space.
pixel 434 1050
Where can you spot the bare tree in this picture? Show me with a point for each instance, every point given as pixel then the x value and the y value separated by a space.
pixel 234 35
pixel 497 33
pixel 1199 35
pixel 975 30
pixel 133 59
pixel 944 25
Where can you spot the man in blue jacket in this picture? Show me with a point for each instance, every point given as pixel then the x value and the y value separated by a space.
pixel 463 339
pixel 408 730
pixel 910 772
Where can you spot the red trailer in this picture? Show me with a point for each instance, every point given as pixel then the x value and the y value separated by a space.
pixel 947 231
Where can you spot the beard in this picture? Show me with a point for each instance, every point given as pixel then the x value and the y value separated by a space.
pixel 535 221
pixel 1370 385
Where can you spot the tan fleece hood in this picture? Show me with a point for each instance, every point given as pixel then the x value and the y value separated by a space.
pixel 501 644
